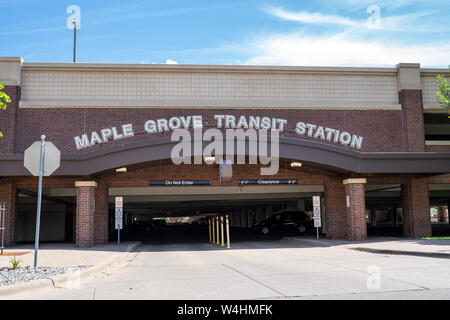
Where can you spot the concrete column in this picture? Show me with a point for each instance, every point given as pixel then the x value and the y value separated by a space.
pixel 394 216
pixel 8 195
pixel 101 216
pixel 85 220
pixel 355 209
pixel 243 218
pixel 335 208
pixel 259 213
pixel 268 211
pixel 416 208
pixel 301 204
pixel 373 217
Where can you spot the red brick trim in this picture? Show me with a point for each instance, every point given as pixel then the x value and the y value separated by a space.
pixel 335 213
pixel 8 194
pixel 356 211
pixel 413 123
pixel 416 208
pixel 101 212
pixel 85 222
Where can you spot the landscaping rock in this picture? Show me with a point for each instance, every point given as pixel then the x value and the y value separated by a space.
pixel 10 276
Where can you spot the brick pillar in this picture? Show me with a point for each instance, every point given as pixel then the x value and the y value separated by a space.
pixel 85 229
pixel 101 212
pixel 8 194
pixel 355 209
pixel 335 208
pixel 410 98
pixel 416 208
pixel 441 214
pixel 448 211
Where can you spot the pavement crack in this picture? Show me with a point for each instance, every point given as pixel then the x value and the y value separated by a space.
pixel 253 279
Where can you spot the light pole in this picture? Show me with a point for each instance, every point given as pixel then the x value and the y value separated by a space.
pixel 74 39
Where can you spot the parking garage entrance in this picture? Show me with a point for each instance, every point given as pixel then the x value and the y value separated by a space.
pixel 184 214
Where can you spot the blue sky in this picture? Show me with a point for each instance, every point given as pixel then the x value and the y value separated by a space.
pixel 323 32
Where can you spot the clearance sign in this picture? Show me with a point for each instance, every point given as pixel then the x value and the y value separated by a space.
pixel 223 121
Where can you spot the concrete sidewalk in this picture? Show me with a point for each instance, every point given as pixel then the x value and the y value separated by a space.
pixel 97 259
pixel 62 254
pixel 387 245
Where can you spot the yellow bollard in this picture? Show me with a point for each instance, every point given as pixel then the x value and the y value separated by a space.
pixel 221 227
pixel 209 229
pixel 213 231
pixel 218 232
pixel 228 232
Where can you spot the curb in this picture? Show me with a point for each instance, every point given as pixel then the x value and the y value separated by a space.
pixel 315 242
pixel 60 280
pixel 405 253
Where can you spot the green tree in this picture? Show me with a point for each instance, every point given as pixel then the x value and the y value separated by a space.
pixel 4 99
pixel 443 95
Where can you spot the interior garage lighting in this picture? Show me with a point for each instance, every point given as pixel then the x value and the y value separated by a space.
pixel 124 169
pixel 210 160
pixel 296 164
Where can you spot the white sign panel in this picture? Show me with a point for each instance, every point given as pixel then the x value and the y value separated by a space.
pixel 316 201
pixel 316 212
pixel 32 158
pixel 317 222
pixel 119 202
pixel 119 218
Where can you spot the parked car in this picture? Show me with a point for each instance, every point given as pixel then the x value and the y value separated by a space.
pixel 286 221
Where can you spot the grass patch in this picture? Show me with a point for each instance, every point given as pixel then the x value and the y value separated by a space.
pixel 437 238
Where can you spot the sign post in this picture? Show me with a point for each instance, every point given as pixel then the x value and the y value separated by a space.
pixel 228 232
pixel 2 225
pixel 41 159
pixel 119 217
pixel 317 219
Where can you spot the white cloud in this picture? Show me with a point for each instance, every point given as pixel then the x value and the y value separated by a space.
pixel 297 49
pixel 169 61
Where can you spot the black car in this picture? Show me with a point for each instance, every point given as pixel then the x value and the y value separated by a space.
pixel 286 221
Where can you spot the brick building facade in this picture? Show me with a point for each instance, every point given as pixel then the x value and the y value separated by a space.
pixel 388 108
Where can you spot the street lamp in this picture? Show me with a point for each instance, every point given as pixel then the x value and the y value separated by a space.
pixel 74 39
